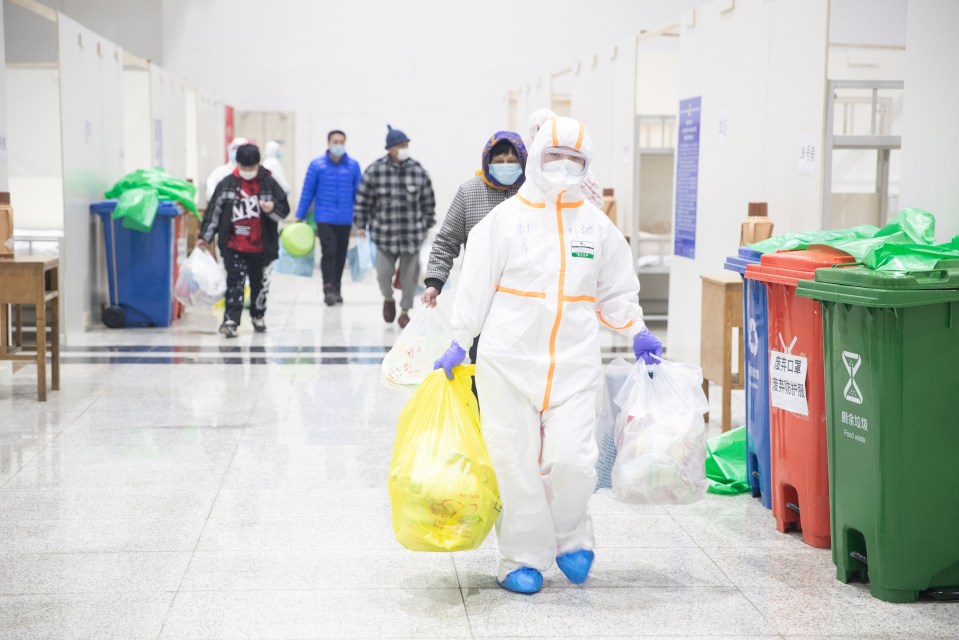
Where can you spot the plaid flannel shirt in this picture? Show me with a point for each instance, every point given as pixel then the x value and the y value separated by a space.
pixel 473 201
pixel 397 203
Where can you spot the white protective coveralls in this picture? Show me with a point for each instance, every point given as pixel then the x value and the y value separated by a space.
pixel 542 271
pixel 217 175
pixel 271 160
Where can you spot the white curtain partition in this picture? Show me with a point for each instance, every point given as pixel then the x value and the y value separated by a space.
pixel 92 137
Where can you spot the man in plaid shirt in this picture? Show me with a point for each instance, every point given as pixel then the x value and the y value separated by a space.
pixel 395 202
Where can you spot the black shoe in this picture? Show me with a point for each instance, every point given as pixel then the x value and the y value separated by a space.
pixel 329 296
pixel 228 329
pixel 337 296
pixel 389 311
pixel 259 325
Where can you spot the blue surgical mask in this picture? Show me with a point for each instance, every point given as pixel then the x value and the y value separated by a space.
pixel 337 150
pixel 506 173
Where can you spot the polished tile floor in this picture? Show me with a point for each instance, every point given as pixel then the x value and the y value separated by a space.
pixel 183 486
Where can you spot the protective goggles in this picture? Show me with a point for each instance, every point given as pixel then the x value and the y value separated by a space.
pixel 578 162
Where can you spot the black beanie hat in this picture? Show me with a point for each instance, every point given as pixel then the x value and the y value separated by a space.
pixel 248 155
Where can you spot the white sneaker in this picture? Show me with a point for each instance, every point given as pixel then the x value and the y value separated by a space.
pixel 259 325
pixel 228 329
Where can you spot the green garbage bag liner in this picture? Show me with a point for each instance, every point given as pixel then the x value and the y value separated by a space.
pixel 161 183
pixel 905 244
pixel 137 208
pixel 726 463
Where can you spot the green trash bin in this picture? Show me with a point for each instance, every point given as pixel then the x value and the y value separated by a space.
pixel 891 351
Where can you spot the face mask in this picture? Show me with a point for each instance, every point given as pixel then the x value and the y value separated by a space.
pixel 563 172
pixel 403 154
pixel 248 175
pixel 506 173
pixel 337 150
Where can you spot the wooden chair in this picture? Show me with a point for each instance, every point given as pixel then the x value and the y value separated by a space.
pixel 722 313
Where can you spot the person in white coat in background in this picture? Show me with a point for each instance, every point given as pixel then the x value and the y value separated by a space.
pixel 590 186
pixel 216 176
pixel 542 272
pixel 271 161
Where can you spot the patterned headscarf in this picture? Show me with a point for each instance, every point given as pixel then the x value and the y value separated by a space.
pixel 514 139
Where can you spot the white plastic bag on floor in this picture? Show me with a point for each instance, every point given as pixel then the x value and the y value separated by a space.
pixel 202 281
pixel 422 342
pixel 661 435
pixel 617 373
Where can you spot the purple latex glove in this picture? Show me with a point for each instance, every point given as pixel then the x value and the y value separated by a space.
pixel 453 357
pixel 646 346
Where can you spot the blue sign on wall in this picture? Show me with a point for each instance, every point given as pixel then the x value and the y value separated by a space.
pixel 687 178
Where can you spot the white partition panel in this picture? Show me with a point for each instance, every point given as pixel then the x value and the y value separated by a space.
pixel 930 139
pixel 33 146
pixel 168 121
pixel 4 185
pixel 211 134
pixel 137 121
pixel 759 66
pixel 92 130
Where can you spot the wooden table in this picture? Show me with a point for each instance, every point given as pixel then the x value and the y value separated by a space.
pixel 31 281
pixel 722 313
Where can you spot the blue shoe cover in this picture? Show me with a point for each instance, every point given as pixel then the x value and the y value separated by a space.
pixel 576 565
pixel 523 580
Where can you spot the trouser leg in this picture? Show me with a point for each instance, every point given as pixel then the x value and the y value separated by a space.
pixel 327 238
pixel 259 273
pixel 511 429
pixel 342 235
pixel 236 273
pixel 385 270
pixel 409 278
pixel 569 468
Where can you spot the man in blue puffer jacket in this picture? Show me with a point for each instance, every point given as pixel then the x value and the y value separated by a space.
pixel 332 181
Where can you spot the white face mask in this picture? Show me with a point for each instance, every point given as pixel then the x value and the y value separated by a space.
pixel 563 172
pixel 248 175
pixel 403 154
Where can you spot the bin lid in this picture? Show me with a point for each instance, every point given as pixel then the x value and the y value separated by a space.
pixel 166 208
pixel 745 258
pixel 791 267
pixel 884 289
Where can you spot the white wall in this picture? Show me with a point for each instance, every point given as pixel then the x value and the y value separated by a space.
pixel 92 127
pixel 133 24
pixel 764 64
pixel 211 133
pixel 35 159
pixel 437 70
pixel 930 144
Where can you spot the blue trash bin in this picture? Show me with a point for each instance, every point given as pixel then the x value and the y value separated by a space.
pixel 756 322
pixel 139 268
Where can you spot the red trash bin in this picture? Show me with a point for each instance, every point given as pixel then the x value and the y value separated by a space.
pixel 800 472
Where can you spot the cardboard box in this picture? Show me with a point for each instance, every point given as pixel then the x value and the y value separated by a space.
pixel 6 226
pixel 757 226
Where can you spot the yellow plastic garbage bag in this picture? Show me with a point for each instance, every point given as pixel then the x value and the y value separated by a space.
pixel 442 486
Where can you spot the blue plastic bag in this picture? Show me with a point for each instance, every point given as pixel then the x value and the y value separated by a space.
pixel 360 258
pixel 295 266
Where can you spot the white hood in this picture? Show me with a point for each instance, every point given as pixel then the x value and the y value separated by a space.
pixel 556 132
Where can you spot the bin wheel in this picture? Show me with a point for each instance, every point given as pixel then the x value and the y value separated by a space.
pixel 756 474
pixel 943 594
pixel 114 317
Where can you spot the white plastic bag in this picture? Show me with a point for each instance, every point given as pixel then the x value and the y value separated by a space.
pixel 617 373
pixel 661 436
pixel 425 339
pixel 202 281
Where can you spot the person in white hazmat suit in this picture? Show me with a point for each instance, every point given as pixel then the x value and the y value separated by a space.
pixel 216 176
pixel 271 161
pixel 542 272
pixel 589 186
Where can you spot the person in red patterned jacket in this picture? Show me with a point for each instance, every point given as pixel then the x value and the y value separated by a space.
pixel 244 212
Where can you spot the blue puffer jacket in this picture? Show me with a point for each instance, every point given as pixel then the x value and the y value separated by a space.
pixel 333 185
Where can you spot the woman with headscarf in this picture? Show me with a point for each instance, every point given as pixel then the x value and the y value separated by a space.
pixel 502 174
